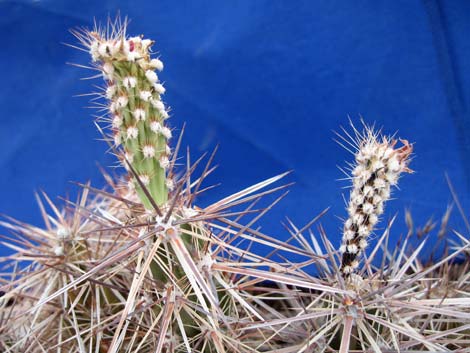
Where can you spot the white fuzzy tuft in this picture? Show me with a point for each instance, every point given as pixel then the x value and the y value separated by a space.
pixel 148 151
pixel 156 127
pixel 117 139
pixel 170 184
pixel 117 121
pixel 59 251
pixel 151 76
pixel 63 233
pixel 132 132
pixel 139 114
pixel 111 91
pixel 108 71
pixel 145 95
pixel 121 102
pixel 158 105
pixel 156 64
pixel 159 88
pixel 164 114
pixel 164 162
pixel 145 179
pixel 352 248
pixel 166 132
pixel 129 82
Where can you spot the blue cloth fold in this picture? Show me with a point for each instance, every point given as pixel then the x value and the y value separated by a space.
pixel 269 80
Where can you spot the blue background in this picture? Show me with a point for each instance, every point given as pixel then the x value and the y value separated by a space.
pixel 269 80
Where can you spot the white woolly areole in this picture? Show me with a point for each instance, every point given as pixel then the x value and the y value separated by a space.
pixel 169 184
pixel 95 55
pixel 156 64
pixel 166 229
pixel 189 212
pixel 164 114
pixel 379 183
pixel 117 139
pixel 159 88
pixel 121 102
pixel 129 82
pixel 158 105
pixel 363 244
pixel 352 248
pixel 358 218
pixel 373 219
pixel 368 208
pixel 206 263
pixel 166 132
pixel 349 234
pixel 133 56
pixel 145 95
pixel 377 165
pixel 135 39
pixel 367 191
pixel 164 162
pixel 363 231
pixel 148 151
pixel 151 76
pixel 111 91
pixel 104 50
pixel 139 114
pixel 115 47
pixel 156 127
pixel 63 233
pixel 146 44
pixel 145 179
pixel 117 121
pixel 112 107
pixel 59 250
pixel 132 132
pixel 108 70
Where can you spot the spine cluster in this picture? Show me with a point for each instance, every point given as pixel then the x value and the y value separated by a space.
pixel 136 112
pixel 378 168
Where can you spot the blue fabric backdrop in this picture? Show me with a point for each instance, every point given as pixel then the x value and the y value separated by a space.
pixel 267 79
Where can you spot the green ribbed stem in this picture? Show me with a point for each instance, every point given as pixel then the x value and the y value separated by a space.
pixel 149 166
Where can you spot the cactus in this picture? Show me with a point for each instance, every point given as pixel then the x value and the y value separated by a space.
pixel 139 267
pixel 393 302
pixel 378 167
pixel 137 113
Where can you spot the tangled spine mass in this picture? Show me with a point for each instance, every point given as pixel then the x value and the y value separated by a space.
pixel 378 167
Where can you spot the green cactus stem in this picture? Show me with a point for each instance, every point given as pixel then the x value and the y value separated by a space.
pixel 135 110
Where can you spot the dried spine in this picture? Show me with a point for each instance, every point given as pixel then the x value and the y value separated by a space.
pixel 378 168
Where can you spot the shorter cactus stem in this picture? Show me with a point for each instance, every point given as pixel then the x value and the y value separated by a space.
pixel 378 167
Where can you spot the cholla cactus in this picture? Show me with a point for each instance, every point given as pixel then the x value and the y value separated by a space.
pixel 139 269
pixel 136 112
pixel 399 304
pixel 378 167
pixel 112 274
